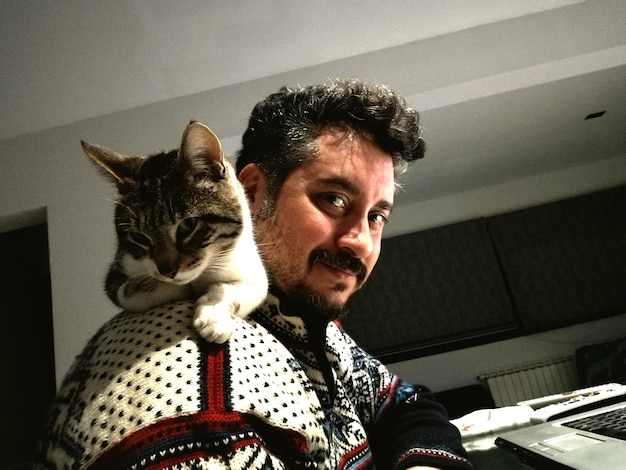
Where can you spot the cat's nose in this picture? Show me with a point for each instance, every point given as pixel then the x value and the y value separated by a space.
pixel 166 264
pixel 169 274
pixel 167 270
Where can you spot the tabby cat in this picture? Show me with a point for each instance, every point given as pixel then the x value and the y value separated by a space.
pixel 184 231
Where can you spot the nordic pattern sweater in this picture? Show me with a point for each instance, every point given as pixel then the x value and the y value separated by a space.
pixel 148 392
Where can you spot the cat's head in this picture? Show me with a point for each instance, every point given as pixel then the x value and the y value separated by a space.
pixel 177 211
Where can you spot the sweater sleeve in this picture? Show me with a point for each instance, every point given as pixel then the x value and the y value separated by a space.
pixel 405 426
pixel 413 429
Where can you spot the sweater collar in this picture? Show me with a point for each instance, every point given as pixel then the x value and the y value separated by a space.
pixel 290 322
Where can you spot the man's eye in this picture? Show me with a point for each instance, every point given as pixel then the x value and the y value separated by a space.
pixel 335 200
pixel 378 219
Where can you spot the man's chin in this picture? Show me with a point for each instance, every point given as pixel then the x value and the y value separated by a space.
pixel 330 305
pixel 337 297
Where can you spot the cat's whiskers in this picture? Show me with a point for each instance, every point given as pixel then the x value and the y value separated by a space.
pixel 138 275
pixel 220 260
pixel 267 243
pixel 171 205
pixel 132 212
pixel 263 247
pixel 123 222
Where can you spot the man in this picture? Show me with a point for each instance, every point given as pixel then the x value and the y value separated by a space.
pixel 290 389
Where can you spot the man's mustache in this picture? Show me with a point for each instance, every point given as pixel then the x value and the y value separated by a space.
pixel 341 261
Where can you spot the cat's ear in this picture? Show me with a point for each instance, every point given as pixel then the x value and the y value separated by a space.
pixel 119 168
pixel 201 152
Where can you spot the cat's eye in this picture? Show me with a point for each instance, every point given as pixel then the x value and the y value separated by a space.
pixel 187 226
pixel 140 239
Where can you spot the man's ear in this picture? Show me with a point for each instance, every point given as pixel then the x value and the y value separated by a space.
pixel 254 184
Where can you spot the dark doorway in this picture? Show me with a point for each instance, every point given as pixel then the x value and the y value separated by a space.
pixel 27 378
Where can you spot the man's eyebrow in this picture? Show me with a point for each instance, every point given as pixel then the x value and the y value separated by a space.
pixel 342 183
pixel 354 189
pixel 385 205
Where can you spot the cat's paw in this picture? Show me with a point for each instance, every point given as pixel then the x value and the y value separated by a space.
pixel 214 323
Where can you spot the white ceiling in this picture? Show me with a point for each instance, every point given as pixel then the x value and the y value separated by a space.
pixel 503 85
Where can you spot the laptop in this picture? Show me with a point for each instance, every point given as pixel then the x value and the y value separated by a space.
pixel 589 440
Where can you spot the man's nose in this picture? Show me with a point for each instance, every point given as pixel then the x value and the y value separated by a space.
pixel 357 239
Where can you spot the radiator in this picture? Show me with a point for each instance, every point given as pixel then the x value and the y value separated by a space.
pixel 510 386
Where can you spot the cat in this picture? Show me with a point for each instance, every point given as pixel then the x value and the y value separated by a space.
pixel 184 231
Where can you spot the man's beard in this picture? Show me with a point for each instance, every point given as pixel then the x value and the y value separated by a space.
pixel 303 296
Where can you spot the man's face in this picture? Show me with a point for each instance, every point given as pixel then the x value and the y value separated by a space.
pixel 323 236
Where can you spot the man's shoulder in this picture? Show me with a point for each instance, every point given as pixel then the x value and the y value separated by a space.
pixel 143 372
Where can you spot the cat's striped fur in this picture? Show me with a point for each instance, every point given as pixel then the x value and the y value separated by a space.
pixel 184 231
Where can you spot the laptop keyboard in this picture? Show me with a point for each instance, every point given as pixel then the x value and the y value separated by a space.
pixel 611 424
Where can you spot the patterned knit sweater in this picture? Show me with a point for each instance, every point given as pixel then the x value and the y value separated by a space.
pixel 147 392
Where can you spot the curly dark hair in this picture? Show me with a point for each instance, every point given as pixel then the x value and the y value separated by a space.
pixel 282 128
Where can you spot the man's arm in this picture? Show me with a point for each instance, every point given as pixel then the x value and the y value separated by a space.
pixel 414 430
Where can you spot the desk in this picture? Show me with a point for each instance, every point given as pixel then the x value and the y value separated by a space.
pixel 480 429
pixel 485 455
